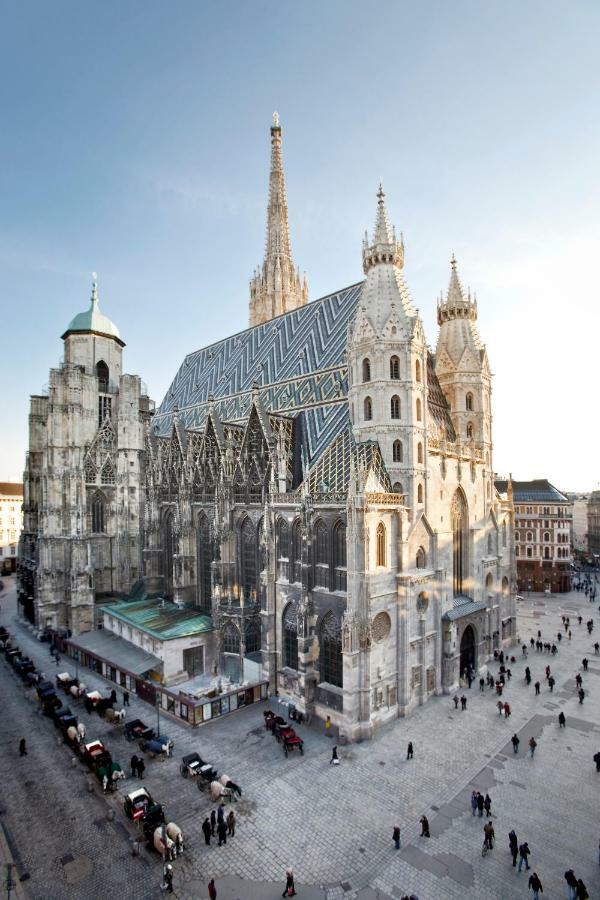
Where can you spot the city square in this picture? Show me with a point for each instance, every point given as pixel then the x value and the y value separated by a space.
pixel 351 809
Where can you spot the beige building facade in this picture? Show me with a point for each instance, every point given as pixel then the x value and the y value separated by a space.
pixel 11 523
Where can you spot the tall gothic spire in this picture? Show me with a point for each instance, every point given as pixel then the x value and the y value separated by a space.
pixel 276 286
pixel 457 318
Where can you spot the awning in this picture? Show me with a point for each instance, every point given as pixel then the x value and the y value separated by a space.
pixel 116 651
pixel 465 609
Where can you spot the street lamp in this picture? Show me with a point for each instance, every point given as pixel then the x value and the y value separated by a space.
pixel 158 714
pixel 76 658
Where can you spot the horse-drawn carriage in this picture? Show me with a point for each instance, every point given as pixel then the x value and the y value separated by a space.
pixel 138 802
pixel 159 746
pixel 166 838
pixel 290 740
pixel 272 719
pixel 193 766
pixel 115 716
pixel 136 731
pixel 60 713
pixel 65 681
pixel 95 754
pixel 109 774
pixel 74 734
pixel 23 667
pixel 95 702
pixel 13 654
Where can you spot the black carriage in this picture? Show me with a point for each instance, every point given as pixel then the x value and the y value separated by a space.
pixel 136 731
pixel 193 766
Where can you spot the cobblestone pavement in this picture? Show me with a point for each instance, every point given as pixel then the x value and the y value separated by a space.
pixel 331 824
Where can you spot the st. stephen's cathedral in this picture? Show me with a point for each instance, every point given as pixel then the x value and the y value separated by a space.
pixel 321 484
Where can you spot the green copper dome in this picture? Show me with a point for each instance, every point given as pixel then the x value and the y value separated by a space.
pixel 92 319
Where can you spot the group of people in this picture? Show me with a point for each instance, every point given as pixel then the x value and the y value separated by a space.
pixel 138 766
pixel 479 803
pixel 219 825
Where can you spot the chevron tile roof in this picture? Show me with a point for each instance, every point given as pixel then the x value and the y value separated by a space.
pixel 298 360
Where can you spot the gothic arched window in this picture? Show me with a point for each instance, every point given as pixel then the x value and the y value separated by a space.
pixel 546 552
pixel 252 637
pixel 397 451
pixel 395 368
pixel 283 549
pixel 469 431
pixel 98 511
pixel 419 452
pixel 366 370
pixel 397 487
pixel 469 402
pixel 296 551
pixel 420 493
pixel 290 636
pixel 421 558
pixel 418 370
pixel 248 558
pixel 169 549
pixel 330 651
pixel 395 407
pixel 381 546
pixel 230 638
pixel 339 556
pixel 460 520
pixel 504 534
pixel 204 555
pixel 102 376
pixel 546 535
pixel 321 554
pixel 368 409
pixel 419 410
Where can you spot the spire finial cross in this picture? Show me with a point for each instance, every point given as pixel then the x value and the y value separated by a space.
pixel 275 119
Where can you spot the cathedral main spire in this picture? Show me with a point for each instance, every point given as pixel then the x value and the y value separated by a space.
pixel 276 286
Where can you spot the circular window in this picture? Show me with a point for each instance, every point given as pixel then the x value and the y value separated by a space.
pixel 381 627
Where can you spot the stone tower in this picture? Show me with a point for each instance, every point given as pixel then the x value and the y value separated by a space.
pixel 387 364
pixel 276 287
pixel 82 494
pixel 463 370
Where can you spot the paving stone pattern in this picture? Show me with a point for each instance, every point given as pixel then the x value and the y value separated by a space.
pixel 333 825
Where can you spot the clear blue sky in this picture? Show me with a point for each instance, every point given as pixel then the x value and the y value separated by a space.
pixel 135 142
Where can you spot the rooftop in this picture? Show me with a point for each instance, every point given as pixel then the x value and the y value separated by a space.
pixel 537 491
pixel 11 489
pixel 92 320
pixel 161 618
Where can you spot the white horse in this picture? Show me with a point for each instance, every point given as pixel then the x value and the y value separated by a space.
pixel 217 791
pixel 81 732
pixel 115 716
pixel 176 835
pixel 163 844
pixel 228 783
pixel 72 733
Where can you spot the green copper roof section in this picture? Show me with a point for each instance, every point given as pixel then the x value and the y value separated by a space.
pixel 92 319
pixel 161 619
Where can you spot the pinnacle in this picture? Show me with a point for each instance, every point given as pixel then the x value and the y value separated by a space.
pixel 382 233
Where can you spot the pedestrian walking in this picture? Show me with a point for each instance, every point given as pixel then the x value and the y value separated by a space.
pixel 561 720
pixel 535 885
pixel 334 757
pixel 396 836
pixel 551 683
pixel 487 802
pixel 57 657
pixel 207 831
pixel 532 746
pixel 524 854
pixel 524 649
pixel 482 683
pixel 463 702
pixel 409 750
pixel 480 804
pixel 515 742
pixel 597 761
pixel 581 694
pixel 141 765
pixel 473 802
pixel 213 822
pixel 220 814
pixel 513 845
pixel 559 636
pixel 125 698
pixel 547 672
pixel 168 878
pixel 570 635
pixel 488 835
pixel 537 688
pixel 456 701
pixel 571 880
pixel 222 832
pixel 290 888
pixel 500 707
pixel 582 893
pixel 328 726
pixel 212 891
pixel 22 747
pixel 424 826
pixel 579 619
pixel 596 649
pixel 578 680
pixel 584 663
pixel 133 764
pixel 231 824
pixel 532 642
pixel 506 711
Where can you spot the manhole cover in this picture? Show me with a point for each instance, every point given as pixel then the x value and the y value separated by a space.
pixel 67 858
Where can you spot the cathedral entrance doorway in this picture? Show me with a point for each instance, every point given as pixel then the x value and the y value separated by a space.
pixel 467 650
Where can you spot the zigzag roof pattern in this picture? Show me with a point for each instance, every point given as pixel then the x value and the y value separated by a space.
pixel 297 360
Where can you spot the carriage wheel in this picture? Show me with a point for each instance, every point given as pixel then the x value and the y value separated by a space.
pixel 184 770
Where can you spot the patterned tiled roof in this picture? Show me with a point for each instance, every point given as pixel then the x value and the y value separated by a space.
pixel 298 362
pixel 332 472
pixel 537 491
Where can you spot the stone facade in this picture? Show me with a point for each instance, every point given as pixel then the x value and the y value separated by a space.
pixel 81 533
